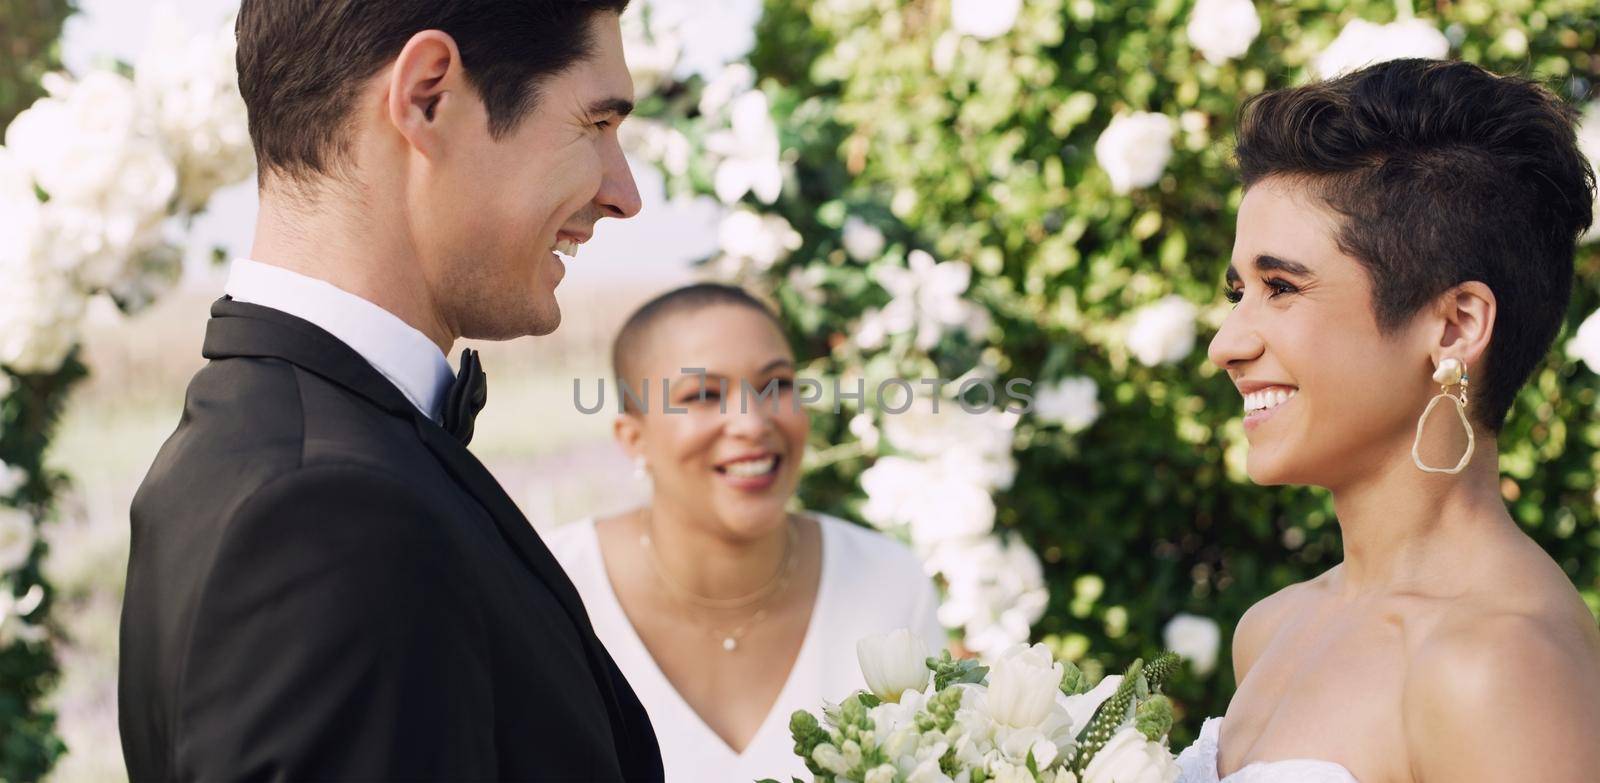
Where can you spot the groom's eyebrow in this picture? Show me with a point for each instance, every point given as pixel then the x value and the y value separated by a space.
pixel 621 107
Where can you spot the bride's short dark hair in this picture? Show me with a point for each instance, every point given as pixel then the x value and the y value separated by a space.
pixel 1443 173
pixel 679 301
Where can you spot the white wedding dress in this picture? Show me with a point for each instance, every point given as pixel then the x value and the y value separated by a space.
pixel 1198 764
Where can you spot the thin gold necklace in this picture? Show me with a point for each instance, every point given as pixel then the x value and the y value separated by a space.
pixel 728 640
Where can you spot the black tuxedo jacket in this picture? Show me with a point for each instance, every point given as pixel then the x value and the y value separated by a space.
pixel 325 585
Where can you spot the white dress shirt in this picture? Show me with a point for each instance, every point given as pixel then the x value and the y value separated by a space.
pixel 401 353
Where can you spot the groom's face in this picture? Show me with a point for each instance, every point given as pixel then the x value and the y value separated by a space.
pixel 508 206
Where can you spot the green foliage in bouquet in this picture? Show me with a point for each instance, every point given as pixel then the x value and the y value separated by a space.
pixel 982 151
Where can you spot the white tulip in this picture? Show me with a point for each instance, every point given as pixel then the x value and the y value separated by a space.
pixel 17 536
pixel 984 19
pixel 1197 639
pixel 1023 683
pixel 1223 29
pixel 1074 403
pixel 1129 757
pixel 893 663
pixel 1362 43
pixel 1163 332
pixel 862 240
pixel 1134 149
pixel 1585 344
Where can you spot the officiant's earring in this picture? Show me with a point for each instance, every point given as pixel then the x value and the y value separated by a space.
pixel 639 472
pixel 1451 372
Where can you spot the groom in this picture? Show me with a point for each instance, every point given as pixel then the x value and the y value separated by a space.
pixel 324 583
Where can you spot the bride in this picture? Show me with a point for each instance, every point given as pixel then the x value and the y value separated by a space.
pixel 1403 261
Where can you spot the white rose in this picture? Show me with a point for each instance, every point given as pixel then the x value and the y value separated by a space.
pixel 1074 403
pixel 1134 149
pixel 764 240
pixel 862 240
pixel 1223 29
pixel 73 144
pixel 1585 344
pixel 995 590
pixel 1131 758
pixel 1196 638
pixel 1589 144
pixel 1163 332
pixel 1023 683
pixel 20 226
pixel 893 663
pixel 984 19
pixel 40 315
pixel 16 538
pixel 1362 43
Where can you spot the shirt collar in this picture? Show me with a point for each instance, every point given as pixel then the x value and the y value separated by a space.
pixel 397 350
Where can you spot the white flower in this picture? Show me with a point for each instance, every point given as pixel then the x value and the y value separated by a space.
pixel 11 477
pixel 978 444
pixel 657 142
pixel 1589 144
pixel 13 613
pixel 926 296
pixel 1585 344
pixel 1163 332
pixel 16 538
pixel 862 240
pixel 190 85
pixel 1134 149
pixel 715 32
pixel 40 315
pixel 829 758
pixel 1131 758
pixel 984 19
pixel 865 430
pixel 995 590
pixel 1196 638
pixel 732 82
pixel 20 226
pixel 1074 403
pixel 1023 683
pixel 762 239
pixel 883 773
pixel 893 663
pixel 936 504
pixel 749 151
pixel 1081 708
pixel 653 47
pixel 74 141
pixel 1005 772
pixel 1223 29
pixel 1362 43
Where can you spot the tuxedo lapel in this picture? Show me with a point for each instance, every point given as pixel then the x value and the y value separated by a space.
pixel 241 330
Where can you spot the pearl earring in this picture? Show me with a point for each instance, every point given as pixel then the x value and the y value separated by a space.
pixel 639 471
pixel 1451 372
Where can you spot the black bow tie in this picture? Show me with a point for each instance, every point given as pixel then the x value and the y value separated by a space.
pixel 466 398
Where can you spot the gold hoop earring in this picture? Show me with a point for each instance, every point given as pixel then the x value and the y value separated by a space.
pixel 1451 372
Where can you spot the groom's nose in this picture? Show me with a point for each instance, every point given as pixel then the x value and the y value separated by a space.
pixel 619 194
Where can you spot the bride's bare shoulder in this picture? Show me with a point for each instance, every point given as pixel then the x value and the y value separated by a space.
pixel 1262 621
pixel 1516 661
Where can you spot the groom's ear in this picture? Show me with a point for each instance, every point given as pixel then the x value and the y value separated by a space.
pixel 426 89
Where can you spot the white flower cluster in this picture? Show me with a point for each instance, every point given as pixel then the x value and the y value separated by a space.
pixel 754 242
pixel 1362 43
pixel 745 147
pixel 925 298
pixel 116 158
pixel 1018 725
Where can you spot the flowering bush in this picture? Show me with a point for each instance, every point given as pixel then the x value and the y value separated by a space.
pixel 92 174
pixel 996 191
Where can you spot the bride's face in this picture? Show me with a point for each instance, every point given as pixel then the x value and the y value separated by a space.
pixel 1327 397
pixel 725 458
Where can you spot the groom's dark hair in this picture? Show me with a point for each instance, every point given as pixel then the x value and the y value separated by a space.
pixel 302 62
pixel 1443 173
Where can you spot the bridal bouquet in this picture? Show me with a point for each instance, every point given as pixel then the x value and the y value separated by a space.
pixel 1027 718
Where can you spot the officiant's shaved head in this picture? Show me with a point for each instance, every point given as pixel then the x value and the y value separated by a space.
pixel 302 62
pixel 650 318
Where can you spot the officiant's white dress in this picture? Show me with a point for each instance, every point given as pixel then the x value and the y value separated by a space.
pixel 870 584
pixel 1198 764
